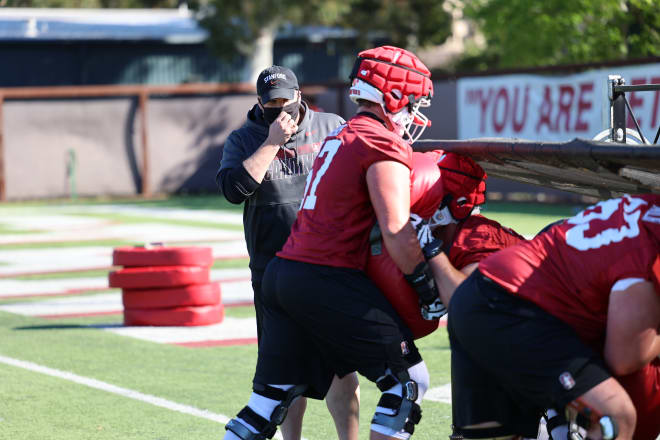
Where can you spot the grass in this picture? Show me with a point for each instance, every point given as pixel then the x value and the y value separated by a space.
pixel 218 379
pixel 204 378
pixel 528 218
pixel 10 230
pixel 194 202
pixel 134 219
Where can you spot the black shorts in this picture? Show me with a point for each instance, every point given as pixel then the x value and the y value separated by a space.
pixel 320 321
pixel 511 360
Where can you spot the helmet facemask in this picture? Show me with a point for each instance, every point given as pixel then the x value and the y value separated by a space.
pixel 409 122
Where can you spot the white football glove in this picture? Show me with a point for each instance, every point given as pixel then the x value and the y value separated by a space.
pixel 435 310
pixel 422 229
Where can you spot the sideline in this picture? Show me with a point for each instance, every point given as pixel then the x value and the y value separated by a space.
pixel 125 392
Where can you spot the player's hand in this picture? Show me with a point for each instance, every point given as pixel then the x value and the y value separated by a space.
pixel 422 228
pixel 435 310
pixel 281 130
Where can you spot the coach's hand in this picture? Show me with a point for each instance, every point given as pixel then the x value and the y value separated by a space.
pixel 281 130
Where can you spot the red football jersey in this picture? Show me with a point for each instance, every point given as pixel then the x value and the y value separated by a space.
pixel 477 238
pixel 570 270
pixel 336 216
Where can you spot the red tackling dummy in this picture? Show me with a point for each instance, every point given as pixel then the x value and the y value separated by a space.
pixel 425 196
pixel 428 188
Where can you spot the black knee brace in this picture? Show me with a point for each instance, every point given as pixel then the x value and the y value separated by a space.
pixel 266 427
pixel 407 412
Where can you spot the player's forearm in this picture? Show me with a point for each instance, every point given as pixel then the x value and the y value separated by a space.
pixel 447 277
pixel 626 359
pixel 631 338
pixel 403 247
pixel 257 164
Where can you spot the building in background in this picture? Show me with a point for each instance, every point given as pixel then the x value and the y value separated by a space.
pixel 47 47
pixel 54 47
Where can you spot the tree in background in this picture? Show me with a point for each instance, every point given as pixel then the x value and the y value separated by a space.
pixel 523 33
pixel 248 27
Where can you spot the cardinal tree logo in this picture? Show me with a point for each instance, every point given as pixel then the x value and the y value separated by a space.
pixel 566 380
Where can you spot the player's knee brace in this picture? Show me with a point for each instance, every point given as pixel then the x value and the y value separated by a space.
pixel 398 409
pixel 581 417
pixel 266 410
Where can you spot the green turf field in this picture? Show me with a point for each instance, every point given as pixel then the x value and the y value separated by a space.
pixel 35 405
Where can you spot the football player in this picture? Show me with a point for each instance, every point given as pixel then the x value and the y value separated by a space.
pixel 324 316
pixel 527 328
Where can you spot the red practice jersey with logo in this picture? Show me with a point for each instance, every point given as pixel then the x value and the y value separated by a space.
pixel 477 238
pixel 336 215
pixel 570 270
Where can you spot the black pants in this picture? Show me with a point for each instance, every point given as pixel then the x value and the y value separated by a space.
pixel 511 360
pixel 320 321
pixel 258 306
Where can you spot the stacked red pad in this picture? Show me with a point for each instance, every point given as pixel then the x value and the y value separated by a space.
pixel 167 286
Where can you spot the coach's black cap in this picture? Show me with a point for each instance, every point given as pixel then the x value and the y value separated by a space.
pixel 276 82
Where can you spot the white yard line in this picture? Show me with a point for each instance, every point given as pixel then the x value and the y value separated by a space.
pixel 235 285
pixel 114 389
pixel 229 328
pixel 439 394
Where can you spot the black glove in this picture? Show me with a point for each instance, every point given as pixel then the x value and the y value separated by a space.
pixel 429 298
pixel 423 282
pixel 432 249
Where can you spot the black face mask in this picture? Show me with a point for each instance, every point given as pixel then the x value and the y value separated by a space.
pixel 271 113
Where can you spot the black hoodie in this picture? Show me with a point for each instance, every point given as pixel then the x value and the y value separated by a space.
pixel 271 207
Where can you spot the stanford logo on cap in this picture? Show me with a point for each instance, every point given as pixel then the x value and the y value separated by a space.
pixel 273 77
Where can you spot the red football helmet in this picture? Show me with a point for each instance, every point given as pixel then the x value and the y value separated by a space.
pixel 464 183
pixel 397 80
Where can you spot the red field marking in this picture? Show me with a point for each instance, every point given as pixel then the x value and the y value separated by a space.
pixel 217 343
pixel 240 303
pixel 65 240
pixel 79 290
pixel 49 272
pixel 233 280
pixel 106 268
pixel 75 291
